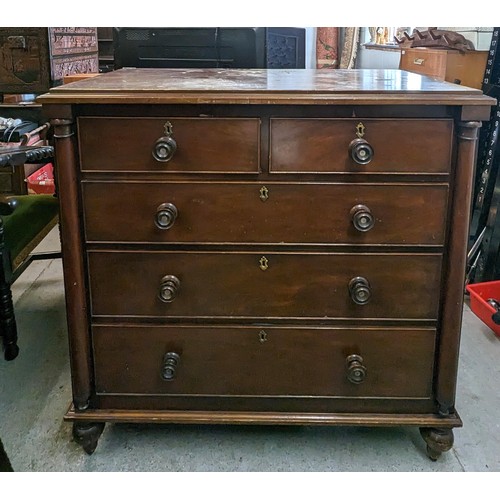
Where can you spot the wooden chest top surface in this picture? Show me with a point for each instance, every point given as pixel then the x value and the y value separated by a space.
pixel 263 86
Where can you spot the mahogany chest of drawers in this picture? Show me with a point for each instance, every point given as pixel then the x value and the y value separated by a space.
pixel 265 246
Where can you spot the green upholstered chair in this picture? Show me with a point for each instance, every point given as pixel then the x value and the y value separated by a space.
pixel 24 221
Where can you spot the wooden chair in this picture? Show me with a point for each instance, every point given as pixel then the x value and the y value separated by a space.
pixel 24 221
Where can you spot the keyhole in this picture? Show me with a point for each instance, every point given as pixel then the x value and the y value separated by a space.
pixel 360 130
pixel 263 263
pixel 262 336
pixel 168 129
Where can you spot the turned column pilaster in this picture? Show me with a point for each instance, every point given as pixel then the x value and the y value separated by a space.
pixel 454 264
pixel 71 231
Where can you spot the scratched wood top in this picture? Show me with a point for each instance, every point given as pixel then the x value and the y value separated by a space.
pixel 261 86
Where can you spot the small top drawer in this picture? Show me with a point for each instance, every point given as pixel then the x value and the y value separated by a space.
pixel 360 146
pixel 190 145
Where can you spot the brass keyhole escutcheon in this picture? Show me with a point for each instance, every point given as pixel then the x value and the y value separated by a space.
pixel 169 129
pixel 263 263
pixel 360 130
pixel 264 193
pixel 262 336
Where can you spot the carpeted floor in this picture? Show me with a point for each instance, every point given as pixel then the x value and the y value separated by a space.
pixel 35 392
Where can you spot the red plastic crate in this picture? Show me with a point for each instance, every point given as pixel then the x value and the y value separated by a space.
pixel 479 294
pixel 42 180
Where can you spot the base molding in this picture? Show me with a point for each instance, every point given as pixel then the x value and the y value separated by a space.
pixel 257 418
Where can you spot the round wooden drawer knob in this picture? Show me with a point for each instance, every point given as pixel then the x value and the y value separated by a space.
pixel 361 151
pixel 360 290
pixel 169 288
pixel 165 215
pixel 362 218
pixel 356 371
pixel 164 149
pixel 169 367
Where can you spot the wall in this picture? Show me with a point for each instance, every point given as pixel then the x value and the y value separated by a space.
pixel 310 47
pixel 480 37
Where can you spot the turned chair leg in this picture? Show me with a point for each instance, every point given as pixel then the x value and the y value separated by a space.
pixel 8 327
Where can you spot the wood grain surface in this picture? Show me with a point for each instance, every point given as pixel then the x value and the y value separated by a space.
pixel 290 362
pixel 293 213
pixel 232 284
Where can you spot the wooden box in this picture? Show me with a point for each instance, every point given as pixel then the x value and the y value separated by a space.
pixel 34 59
pixel 449 65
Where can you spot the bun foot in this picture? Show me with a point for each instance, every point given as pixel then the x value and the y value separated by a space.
pixel 87 435
pixel 438 441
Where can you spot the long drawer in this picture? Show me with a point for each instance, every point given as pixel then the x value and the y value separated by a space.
pixel 234 212
pixel 304 145
pixel 264 285
pixel 237 361
pixel 229 145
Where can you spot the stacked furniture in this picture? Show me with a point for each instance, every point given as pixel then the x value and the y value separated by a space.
pixel 34 59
